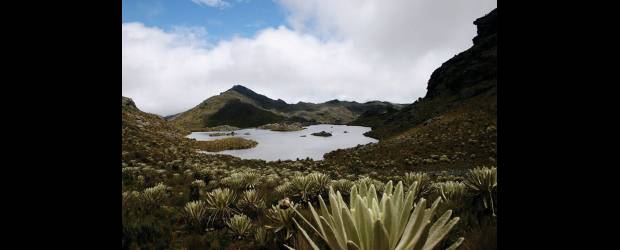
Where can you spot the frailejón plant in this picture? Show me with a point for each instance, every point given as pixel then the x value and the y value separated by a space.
pixel 371 223
pixel 483 181
pixel 240 225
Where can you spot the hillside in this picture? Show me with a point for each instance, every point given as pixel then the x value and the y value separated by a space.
pixel 466 77
pixel 148 138
pixel 242 107
pixel 452 128
pixel 240 114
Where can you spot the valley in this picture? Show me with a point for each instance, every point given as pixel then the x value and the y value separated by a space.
pixel 438 152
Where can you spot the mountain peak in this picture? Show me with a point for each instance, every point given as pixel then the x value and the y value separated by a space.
pixel 262 100
pixel 241 89
pixel 486 26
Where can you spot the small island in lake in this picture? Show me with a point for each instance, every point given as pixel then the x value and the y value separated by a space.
pixel 322 133
pixel 216 128
pixel 282 127
pixel 226 144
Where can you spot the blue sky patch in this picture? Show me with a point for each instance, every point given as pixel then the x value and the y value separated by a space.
pixel 222 21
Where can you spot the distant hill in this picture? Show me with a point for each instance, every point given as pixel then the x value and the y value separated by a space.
pixel 242 107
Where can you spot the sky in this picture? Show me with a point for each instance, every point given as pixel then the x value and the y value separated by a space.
pixel 177 53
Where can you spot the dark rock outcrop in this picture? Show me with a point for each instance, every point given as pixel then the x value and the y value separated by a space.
pixel 127 102
pixel 322 133
pixel 472 71
pixel 487 26
pixel 470 75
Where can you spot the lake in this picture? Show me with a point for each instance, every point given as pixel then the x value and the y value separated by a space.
pixel 274 145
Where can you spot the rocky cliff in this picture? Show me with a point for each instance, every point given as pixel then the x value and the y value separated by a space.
pixel 461 79
pixel 452 128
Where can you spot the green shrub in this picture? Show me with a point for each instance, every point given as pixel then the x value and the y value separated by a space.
pixel 195 214
pixel 242 181
pixel 261 237
pixel 219 204
pixel 483 182
pixel 367 181
pixel 154 196
pixel 307 186
pixel 424 186
pixel 343 186
pixel 319 181
pixel 452 192
pixel 302 186
pixel 240 225
pixel 251 201
pixel 281 217
pixel 285 189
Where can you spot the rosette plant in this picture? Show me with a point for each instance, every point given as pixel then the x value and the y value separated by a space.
pixel 370 223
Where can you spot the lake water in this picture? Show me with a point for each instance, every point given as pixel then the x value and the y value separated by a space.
pixel 274 145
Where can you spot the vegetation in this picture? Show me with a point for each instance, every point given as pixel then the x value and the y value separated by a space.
pixel 195 214
pixel 237 206
pixel 420 183
pixel 220 204
pixel 251 202
pixel 453 194
pixel 373 224
pixel 281 219
pixel 226 144
pixel 484 182
pixel 240 225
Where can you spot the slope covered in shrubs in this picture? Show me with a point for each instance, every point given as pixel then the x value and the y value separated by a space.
pixel 176 198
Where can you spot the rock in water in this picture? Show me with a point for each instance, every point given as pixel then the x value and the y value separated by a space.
pixel 322 133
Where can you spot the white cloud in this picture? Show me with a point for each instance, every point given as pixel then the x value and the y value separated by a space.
pixel 212 3
pixel 359 52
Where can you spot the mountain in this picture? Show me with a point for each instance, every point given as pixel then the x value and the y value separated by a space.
pixel 240 114
pixel 454 127
pixel 241 107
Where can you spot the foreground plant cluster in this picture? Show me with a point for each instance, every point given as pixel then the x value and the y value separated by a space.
pixel 290 205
